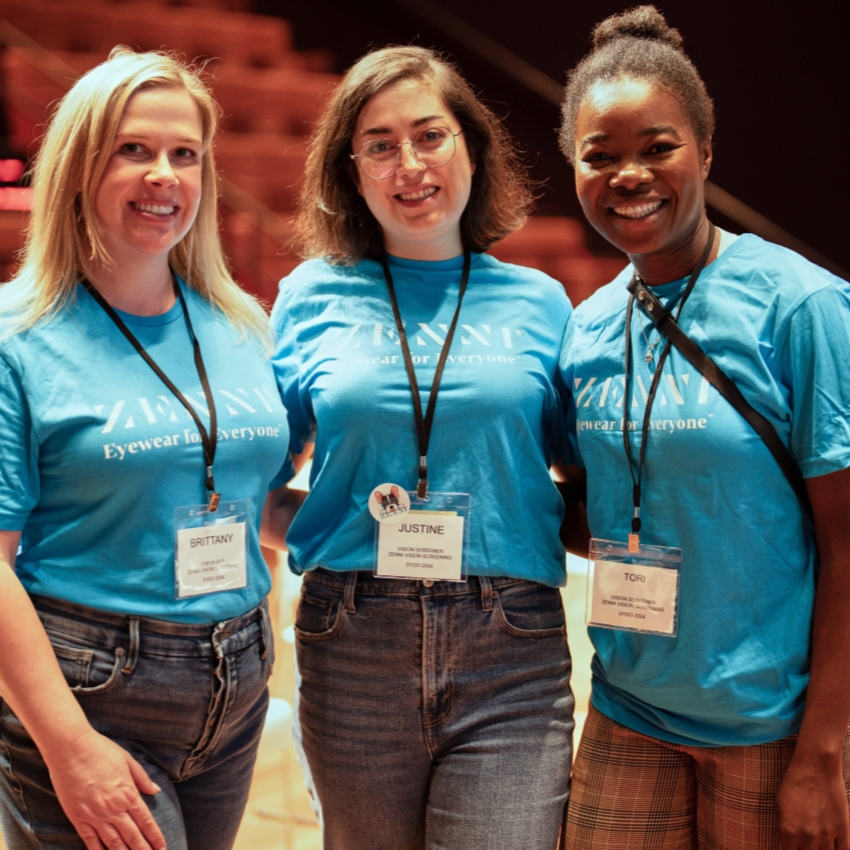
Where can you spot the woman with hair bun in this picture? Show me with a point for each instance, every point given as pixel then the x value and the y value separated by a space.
pixel 711 409
pixel 135 644
pixel 434 706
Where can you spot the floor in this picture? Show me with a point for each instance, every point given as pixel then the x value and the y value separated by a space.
pixel 279 816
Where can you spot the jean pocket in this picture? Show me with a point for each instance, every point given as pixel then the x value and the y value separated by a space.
pixel 88 669
pixel 319 614
pixel 530 610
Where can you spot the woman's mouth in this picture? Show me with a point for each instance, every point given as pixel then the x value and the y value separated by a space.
pixel 156 209
pixel 418 196
pixel 637 210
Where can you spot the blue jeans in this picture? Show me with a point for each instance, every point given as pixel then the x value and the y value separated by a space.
pixel 188 702
pixel 433 714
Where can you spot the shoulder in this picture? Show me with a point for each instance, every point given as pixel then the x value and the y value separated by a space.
pixel 534 289
pixel 607 302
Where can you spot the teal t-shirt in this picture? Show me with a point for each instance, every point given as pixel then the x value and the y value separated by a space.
pixel 780 328
pixel 96 454
pixel 498 421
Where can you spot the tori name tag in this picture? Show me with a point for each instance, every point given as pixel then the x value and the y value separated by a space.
pixel 424 545
pixel 634 597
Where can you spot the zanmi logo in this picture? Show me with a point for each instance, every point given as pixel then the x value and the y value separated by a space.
pixel 167 409
pixel 375 335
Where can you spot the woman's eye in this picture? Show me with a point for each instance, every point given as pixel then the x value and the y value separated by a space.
pixel 596 157
pixel 132 148
pixel 380 146
pixel 186 153
pixel 662 147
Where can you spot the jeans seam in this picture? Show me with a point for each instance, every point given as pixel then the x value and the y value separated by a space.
pixel 18 787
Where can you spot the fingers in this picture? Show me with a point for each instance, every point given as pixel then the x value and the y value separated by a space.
pixel 143 782
pixel 124 834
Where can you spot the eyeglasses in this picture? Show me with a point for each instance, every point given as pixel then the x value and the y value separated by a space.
pixel 381 158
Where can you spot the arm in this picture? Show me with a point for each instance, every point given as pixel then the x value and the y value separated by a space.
pixel 281 506
pixel 96 781
pixel 572 484
pixel 812 802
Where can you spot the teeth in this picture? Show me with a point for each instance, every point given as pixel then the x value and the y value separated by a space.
pixel 156 209
pixel 637 210
pixel 418 196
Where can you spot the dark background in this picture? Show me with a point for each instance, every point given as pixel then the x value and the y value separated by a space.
pixel 778 73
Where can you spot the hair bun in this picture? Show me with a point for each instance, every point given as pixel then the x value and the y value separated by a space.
pixel 640 22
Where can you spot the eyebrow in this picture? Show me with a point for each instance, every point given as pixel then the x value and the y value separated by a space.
pixel 194 140
pixel 657 129
pixel 383 131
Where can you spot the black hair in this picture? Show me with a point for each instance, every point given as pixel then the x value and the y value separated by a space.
pixel 640 44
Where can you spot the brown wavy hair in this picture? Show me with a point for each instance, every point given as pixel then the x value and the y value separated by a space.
pixel 334 221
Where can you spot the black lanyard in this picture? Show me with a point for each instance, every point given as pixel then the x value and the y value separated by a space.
pixel 208 438
pixel 636 479
pixel 424 424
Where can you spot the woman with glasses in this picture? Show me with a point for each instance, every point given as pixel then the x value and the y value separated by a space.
pixel 434 706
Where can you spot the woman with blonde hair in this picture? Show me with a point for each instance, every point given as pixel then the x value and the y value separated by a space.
pixel 434 705
pixel 140 431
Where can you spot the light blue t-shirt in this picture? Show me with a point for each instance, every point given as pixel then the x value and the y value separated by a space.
pixel 779 327
pixel 96 453
pixel 498 421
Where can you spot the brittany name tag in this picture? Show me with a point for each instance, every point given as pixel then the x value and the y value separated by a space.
pixel 633 591
pixel 211 549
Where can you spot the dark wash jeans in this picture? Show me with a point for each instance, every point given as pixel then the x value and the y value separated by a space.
pixel 187 701
pixel 435 717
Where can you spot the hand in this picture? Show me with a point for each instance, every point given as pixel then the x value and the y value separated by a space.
pixel 812 808
pixel 98 785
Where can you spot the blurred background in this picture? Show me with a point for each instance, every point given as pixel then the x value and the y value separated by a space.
pixel 777 72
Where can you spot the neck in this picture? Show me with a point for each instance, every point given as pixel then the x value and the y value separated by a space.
pixel 143 290
pixel 679 261
pixel 442 249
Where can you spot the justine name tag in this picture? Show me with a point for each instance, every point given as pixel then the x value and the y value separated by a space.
pixel 424 545
pixel 633 591
pixel 210 549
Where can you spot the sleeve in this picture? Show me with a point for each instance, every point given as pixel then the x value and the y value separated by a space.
pixel 290 368
pixel 559 440
pixel 815 353
pixel 20 486
pixel 566 373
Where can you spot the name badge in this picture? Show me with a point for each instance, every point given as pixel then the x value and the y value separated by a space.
pixel 634 590
pixel 428 541
pixel 211 549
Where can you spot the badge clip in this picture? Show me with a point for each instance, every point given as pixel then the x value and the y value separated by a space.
pixel 634 543
pixel 215 498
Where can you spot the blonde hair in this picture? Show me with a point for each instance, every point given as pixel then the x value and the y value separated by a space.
pixel 63 239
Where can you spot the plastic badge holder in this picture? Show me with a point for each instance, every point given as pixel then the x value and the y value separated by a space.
pixel 633 591
pixel 425 558
pixel 220 561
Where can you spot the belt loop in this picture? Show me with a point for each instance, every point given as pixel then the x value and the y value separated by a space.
pixel 265 628
pixel 348 593
pixel 486 593
pixel 133 651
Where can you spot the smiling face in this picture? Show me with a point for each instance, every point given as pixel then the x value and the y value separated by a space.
pixel 148 196
pixel 640 173
pixel 419 208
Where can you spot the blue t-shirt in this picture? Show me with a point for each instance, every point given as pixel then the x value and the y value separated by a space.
pixel 96 454
pixel 498 421
pixel 779 327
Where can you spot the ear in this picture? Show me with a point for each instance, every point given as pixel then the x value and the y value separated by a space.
pixel 706 155
pixel 394 491
pixel 379 497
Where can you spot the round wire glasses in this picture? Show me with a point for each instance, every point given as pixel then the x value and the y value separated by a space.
pixel 381 158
